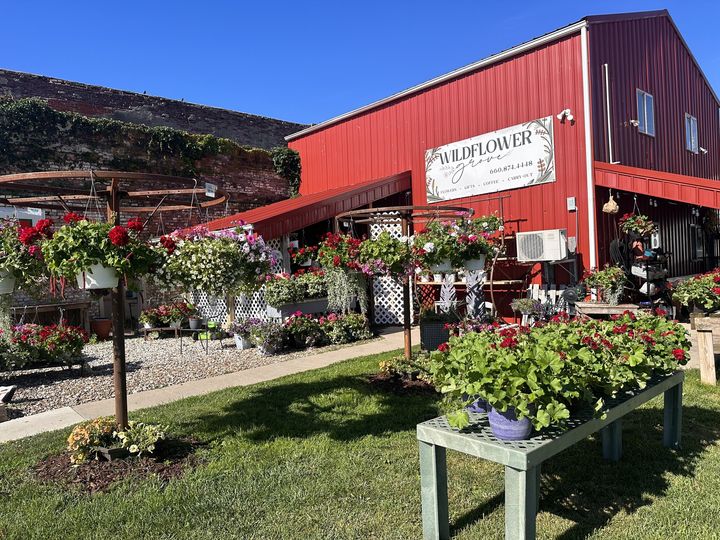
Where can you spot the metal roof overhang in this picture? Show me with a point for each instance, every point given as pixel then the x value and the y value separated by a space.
pixel 283 217
pixel 663 185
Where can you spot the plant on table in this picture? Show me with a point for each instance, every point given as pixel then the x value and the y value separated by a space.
pixel 702 291
pixel 610 281
pixel 542 372
pixel 639 224
pixel 81 244
pixel 218 263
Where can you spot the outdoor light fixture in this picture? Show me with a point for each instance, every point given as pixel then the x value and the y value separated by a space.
pixel 634 123
pixel 566 114
pixel 703 150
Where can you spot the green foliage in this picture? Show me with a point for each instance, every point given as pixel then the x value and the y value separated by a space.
pixel 287 165
pixel 31 133
pixel 343 287
pixel 75 247
pixel 611 280
pixel 26 345
pixel 702 291
pixel 543 371
pixel 285 289
pixel 386 255
pixel 140 438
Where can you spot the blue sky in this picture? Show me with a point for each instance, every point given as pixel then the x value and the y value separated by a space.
pixel 299 61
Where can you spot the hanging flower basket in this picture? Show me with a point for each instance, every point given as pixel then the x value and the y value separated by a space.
pixel 441 267
pixel 7 282
pixel 97 277
pixel 475 265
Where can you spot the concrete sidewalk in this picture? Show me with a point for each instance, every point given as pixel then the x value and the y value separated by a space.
pixel 67 416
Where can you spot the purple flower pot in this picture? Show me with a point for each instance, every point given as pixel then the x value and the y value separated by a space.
pixel 478 406
pixel 507 427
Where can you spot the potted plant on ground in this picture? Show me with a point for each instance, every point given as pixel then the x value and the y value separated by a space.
pixel 101 327
pixel 242 332
pixel 435 328
pixel 303 330
pixel 268 336
pixel 609 282
pixel 97 254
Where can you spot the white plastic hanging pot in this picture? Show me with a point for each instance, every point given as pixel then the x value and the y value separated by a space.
pixel 475 265
pixel 98 277
pixel 443 266
pixel 7 282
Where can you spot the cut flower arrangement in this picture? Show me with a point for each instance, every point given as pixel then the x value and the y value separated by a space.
pixel 218 263
pixel 540 373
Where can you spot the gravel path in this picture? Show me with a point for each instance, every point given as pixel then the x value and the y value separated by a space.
pixel 150 364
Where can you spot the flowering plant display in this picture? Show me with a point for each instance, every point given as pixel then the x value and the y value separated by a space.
pixel 304 330
pixel 527 306
pixel 304 254
pixel 86 440
pixel 639 224
pixel 476 236
pixel 217 263
pixel 542 371
pixel 28 344
pixel 244 328
pixel 702 291
pixel 80 244
pixel 284 288
pixel 457 241
pixel 269 336
pixel 344 328
pixel 386 255
pixel 610 281
pixel 339 251
pixel 20 253
pixel 167 313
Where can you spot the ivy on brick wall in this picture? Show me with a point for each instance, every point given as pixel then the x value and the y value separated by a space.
pixel 287 165
pixel 35 136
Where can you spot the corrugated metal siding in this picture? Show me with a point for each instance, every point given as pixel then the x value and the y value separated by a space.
pixel 393 139
pixel 650 55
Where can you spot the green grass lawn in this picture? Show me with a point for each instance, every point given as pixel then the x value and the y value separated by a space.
pixel 325 455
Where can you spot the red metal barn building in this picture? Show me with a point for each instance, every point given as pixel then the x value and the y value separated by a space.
pixel 600 70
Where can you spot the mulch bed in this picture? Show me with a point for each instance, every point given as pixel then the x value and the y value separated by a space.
pixel 401 384
pixel 170 461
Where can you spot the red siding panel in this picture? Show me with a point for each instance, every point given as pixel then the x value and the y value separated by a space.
pixel 393 139
pixel 649 54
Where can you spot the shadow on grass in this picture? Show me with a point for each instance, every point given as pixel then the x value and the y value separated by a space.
pixel 579 485
pixel 343 407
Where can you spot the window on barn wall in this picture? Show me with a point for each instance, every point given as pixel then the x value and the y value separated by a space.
pixel 646 113
pixel 691 133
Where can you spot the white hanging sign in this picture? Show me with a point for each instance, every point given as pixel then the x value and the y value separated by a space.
pixel 509 158
pixel 210 189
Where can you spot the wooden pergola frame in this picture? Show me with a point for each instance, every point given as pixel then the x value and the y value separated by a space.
pixel 408 217
pixel 64 197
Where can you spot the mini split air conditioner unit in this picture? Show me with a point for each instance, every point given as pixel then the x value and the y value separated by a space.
pixel 537 246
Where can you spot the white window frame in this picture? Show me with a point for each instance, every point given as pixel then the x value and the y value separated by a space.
pixel 642 100
pixel 691 134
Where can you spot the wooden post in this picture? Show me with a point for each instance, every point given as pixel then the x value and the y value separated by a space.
pixel 118 319
pixel 404 226
pixel 704 327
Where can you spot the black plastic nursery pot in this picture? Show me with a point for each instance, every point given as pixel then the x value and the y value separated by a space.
pixel 433 334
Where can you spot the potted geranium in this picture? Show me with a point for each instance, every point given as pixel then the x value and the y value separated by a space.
pixel 304 330
pixel 20 253
pixel 303 256
pixel 638 224
pixel 610 283
pixel 149 318
pixel 338 254
pixel 97 254
pixel 304 291
pixel 476 242
pixel 701 292
pixel 437 247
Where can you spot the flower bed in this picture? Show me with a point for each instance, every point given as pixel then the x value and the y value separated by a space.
pixel 30 345
pixel 541 373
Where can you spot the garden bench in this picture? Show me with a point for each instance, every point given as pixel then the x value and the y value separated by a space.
pixel 523 459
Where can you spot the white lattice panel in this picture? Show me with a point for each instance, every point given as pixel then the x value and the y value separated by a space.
pixel 246 306
pixel 387 292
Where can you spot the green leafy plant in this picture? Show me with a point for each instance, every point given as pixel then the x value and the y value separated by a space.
pixel 637 223
pixel 20 253
pixel 386 255
pixel 268 335
pixel 80 244
pixel 610 281
pixel 287 164
pixel 86 438
pixel 281 289
pixel 702 291
pixel 140 438
pixel 527 306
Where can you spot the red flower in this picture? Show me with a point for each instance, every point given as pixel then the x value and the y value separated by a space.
pixel 336 260
pixel 72 217
pixel 28 235
pixel 679 354
pixel 716 290
pixel 443 347
pixel 43 227
pixel 135 224
pixel 168 243
pixel 508 342
pixel 119 236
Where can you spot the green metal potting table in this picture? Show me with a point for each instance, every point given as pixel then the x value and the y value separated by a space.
pixel 523 459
